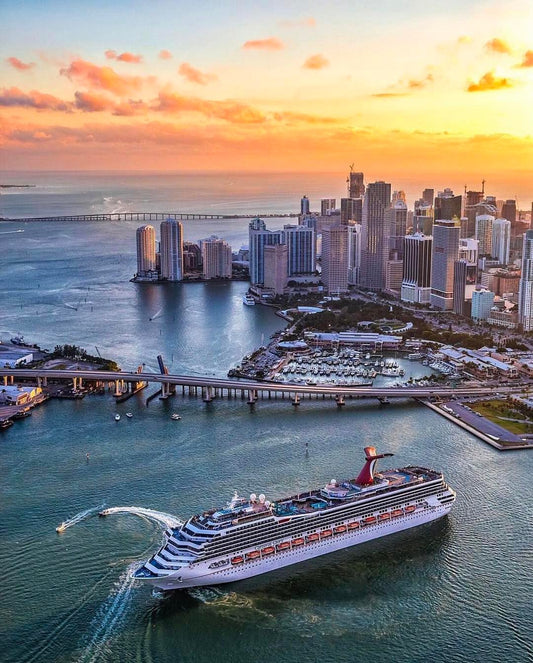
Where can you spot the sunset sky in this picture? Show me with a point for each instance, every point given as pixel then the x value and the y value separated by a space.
pixel 419 86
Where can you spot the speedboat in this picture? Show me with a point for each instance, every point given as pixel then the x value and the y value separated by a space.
pixel 61 528
pixel 117 417
pixel 175 416
pixel 129 415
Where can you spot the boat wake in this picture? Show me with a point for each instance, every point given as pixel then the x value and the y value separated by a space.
pixel 165 519
pixel 82 515
pixel 110 615
pixel 206 594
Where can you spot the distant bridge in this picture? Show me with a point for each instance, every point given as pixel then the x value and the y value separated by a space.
pixel 149 216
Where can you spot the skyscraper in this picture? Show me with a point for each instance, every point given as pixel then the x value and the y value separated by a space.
pixel 482 302
pixel 145 250
pixel 216 258
pixel 416 283
pixel 354 253
pixel 509 211
pixel 356 187
pixel 447 206
pixel 525 295
pixel 275 257
pixel 427 196
pixel 351 210
pixel 301 247
pixel 445 253
pixel 396 222
pixel 327 206
pixel 171 250
pixel 501 240
pixel 304 205
pixel 483 234
pixel 375 236
pixel 335 258
pixel 259 237
pixel 423 219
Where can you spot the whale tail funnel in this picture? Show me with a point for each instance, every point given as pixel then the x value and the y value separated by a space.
pixel 366 475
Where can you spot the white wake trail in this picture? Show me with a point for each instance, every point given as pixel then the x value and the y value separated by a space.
pixel 78 518
pixel 160 517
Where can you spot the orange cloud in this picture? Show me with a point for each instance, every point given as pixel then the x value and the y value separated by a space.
pixel 296 118
pixel 195 75
pixel 165 55
pixel 385 95
pixel 270 44
pixel 18 64
pixel 489 82
pixel 415 84
pixel 497 45
pixel 527 61
pixel 103 78
pixel 308 22
pixel 16 98
pixel 317 61
pixel 92 103
pixel 124 57
pixel 231 111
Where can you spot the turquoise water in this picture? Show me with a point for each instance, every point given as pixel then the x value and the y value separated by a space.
pixel 457 590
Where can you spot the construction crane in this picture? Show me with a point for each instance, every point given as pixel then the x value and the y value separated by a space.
pixel 97 350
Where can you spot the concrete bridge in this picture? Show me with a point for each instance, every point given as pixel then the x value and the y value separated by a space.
pixel 210 388
pixel 150 216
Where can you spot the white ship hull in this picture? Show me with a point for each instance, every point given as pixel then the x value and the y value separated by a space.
pixel 200 573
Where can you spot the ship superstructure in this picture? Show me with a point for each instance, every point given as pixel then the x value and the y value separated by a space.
pixel 253 536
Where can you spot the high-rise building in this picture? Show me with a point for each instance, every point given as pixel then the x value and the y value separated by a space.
pixel 375 236
pixel 351 210
pixel 145 250
pixel 335 258
pixel 396 223
pixel 483 234
pixel 445 253
pixel 501 240
pixel 509 211
pixel 192 256
pixel 459 285
pixel 416 281
pixel 427 196
pixel 423 219
pixel 301 249
pixel 171 250
pixel 304 205
pixel 216 258
pixel 448 206
pixel 275 257
pixel 525 295
pixel 259 237
pixel 354 253
pixel 356 187
pixel 327 206
pixel 482 302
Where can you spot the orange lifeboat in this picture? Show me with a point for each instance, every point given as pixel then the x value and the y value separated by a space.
pixel 396 513
pixel 283 546
pixel 237 560
pixel 354 525
pixel 269 550
pixel 325 534
pixel 410 508
pixel 312 538
pixel 252 555
pixel 340 529
pixel 370 520
pixel 297 542
pixel 384 516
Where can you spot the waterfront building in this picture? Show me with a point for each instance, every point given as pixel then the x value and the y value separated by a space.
pixel 171 250
pixel 216 258
pixel 354 253
pixel 444 254
pixel 356 186
pixel 501 240
pixel 335 258
pixel 276 260
pixel 327 206
pixel 483 233
pixel 482 303
pixel 351 210
pixel 301 249
pixel 192 256
pixel 146 262
pixel 525 296
pixel 304 205
pixel 375 236
pixel 448 206
pixel 260 237
pixel 416 279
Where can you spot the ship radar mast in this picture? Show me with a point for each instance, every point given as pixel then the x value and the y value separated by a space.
pixel 366 475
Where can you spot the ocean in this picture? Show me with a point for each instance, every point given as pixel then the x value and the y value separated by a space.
pixel 457 590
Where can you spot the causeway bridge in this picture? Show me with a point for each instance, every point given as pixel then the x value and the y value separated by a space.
pixel 150 216
pixel 210 388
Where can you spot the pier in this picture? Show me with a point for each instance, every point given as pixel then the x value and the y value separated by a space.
pixel 151 216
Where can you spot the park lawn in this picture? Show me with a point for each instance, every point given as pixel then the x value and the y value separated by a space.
pixel 494 409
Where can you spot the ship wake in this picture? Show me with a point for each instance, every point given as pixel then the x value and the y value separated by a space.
pixel 82 515
pixel 159 517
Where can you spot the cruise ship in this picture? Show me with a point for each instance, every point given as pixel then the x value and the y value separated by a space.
pixel 253 536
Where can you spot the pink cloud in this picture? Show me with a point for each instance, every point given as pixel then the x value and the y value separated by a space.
pixel 315 62
pixel 489 82
pixel 123 57
pixel 103 78
pixel 165 55
pixel 308 22
pixel 231 111
pixel 18 64
pixel 269 44
pixel 195 75
pixel 33 99
pixel 497 45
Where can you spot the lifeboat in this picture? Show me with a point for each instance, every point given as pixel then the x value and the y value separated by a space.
pixel 283 520
pixel 370 520
pixel 410 508
pixel 269 550
pixel 311 538
pixel 354 525
pixel 283 546
pixel 384 516
pixel 325 534
pixel 297 542
pixel 237 560
pixel 252 555
pixel 396 513
pixel 340 529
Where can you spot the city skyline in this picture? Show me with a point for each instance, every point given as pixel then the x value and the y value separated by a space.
pixel 197 94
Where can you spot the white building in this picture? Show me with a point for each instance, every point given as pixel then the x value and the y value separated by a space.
pixel 525 295
pixel 445 253
pixel 416 280
pixel 216 258
pixel 484 223
pixel 354 253
pixel 145 250
pixel 171 250
pixel 335 258
pixel 482 303
pixel 501 240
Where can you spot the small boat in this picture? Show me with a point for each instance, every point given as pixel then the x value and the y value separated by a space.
pixel 237 560
pixel 410 508
pixel 384 516
pixel 370 520
pixel 354 525
pixel 175 416
pixel 253 555
pixel 396 513
pixel 311 538
pixel 129 415
pixel 61 528
pixel 269 550
pixel 6 423
pixel 325 533
pixel 117 417
pixel 283 546
pixel 248 300
pixel 297 542
pixel 340 529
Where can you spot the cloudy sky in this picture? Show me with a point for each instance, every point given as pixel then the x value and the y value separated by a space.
pixel 414 85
